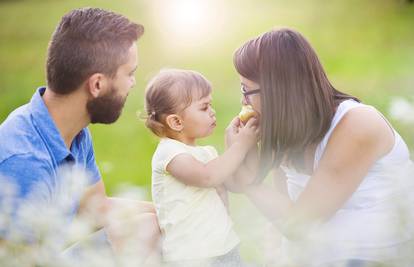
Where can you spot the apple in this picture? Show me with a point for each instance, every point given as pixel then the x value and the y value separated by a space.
pixel 246 113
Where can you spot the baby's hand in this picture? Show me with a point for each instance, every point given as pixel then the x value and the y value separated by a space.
pixel 231 131
pixel 248 134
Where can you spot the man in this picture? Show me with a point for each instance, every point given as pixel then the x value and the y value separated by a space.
pixel 91 61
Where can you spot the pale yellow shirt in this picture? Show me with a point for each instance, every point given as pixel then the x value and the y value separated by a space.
pixel 194 221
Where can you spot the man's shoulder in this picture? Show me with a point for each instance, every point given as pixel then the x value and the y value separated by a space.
pixel 18 134
pixel 17 121
pixel 25 169
pixel 16 116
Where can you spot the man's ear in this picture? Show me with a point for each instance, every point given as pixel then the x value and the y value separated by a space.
pixel 175 122
pixel 96 84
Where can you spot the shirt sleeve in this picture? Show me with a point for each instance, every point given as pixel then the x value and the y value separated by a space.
pixel 166 152
pixel 91 165
pixel 212 152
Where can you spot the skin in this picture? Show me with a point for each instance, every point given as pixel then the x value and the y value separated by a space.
pixel 197 121
pixel 352 149
pixel 70 116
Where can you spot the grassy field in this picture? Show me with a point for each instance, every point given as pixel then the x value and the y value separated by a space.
pixel 367 48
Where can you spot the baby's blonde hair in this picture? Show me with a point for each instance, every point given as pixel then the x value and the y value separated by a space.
pixel 169 92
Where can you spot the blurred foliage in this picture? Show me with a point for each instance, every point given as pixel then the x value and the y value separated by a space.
pixel 367 48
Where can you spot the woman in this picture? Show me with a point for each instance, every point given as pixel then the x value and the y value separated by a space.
pixel 337 196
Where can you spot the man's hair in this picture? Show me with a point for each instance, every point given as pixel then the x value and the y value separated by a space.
pixel 88 41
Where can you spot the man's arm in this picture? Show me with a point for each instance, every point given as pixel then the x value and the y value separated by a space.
pixel 96 203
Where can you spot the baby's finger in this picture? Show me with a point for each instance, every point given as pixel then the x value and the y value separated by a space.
pixel 235 122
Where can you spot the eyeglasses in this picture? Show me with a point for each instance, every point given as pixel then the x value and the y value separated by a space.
pixel 246 93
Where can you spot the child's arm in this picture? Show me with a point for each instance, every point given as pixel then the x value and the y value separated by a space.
pixel 190 171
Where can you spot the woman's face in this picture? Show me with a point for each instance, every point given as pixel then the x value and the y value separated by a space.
pixel 251 93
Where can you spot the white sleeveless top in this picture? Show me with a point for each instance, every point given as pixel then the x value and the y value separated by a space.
pixel 376 221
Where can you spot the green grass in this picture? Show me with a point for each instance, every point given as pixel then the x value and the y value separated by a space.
pixel 366 47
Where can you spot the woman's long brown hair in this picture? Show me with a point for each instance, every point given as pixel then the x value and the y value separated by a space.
pixel 297 100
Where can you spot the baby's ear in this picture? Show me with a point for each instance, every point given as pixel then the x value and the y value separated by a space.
pixel 175 122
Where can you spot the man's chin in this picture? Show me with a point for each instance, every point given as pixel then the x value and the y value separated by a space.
pixel 106 109
pixel 106 120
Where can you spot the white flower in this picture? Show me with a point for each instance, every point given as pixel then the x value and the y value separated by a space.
pixel 402 110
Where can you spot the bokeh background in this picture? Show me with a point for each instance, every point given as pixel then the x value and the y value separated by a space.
pixel 366 47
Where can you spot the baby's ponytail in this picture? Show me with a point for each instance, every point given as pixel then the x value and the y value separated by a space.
pixel 155 126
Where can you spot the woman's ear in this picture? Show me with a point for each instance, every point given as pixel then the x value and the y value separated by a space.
pixel 175 122
pixel 96 84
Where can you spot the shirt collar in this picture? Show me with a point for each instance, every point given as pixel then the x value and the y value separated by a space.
pixel 46 126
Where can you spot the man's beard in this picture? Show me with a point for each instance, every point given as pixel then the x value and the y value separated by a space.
pixel 107 108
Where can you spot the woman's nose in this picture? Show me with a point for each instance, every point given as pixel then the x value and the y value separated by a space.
pixel 244 101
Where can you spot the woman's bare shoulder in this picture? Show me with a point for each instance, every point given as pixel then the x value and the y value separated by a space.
pixel 366 126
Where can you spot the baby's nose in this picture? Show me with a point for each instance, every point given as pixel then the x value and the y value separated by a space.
pixel 213 112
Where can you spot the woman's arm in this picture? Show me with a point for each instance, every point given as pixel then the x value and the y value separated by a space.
pixel 352 149
pixel 270 199
pixel 238 181
pixel 246 173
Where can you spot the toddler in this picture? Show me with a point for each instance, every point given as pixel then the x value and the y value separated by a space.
pixel 195 225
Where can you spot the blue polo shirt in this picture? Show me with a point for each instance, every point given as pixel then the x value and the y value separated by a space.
pixel 32 153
